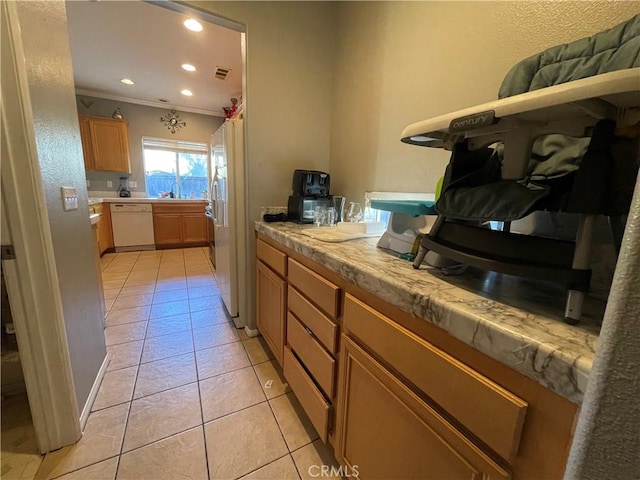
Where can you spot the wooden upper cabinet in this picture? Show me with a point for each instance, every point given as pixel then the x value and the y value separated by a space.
pixel 87 150
pixel 105 143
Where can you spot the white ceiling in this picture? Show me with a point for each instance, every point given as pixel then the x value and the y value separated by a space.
pixel 111 40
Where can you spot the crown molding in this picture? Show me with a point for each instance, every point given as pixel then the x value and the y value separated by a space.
pixel 148 103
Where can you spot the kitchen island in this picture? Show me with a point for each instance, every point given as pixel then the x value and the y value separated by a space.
pixel 498 375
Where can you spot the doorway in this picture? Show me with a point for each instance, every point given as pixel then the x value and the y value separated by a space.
pixel 20 455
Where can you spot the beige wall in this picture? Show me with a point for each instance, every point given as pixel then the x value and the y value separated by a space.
pixel 50 78
pixel 143 121
pixel 401 62
pixel 290 47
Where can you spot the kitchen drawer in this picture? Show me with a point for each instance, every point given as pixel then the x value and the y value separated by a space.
pixel 272 257
pixel 489 411
pixel 318 362
pixel 320 291
pixel 325 330
pixel 178 208
pixel 312 401
pixel 98 208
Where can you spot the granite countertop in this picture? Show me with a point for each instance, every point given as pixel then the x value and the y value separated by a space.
pixel 94 200
pixel 516 321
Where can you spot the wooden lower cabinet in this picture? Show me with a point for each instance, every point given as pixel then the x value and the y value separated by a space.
pixel 271 306
pixel 386 431
pixel 96 256
pixel 194 228
pixel 105 231
pixel 179 225
pixel 167 228
pixel 395 396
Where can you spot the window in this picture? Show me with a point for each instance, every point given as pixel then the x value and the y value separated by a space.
pixel 177 166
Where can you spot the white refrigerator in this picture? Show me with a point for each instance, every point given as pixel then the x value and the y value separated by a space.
pixel 228 215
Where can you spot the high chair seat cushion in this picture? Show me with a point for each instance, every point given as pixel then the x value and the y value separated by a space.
pixel 617 48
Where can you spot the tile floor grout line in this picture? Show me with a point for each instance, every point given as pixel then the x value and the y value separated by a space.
pixel 272 461
pixel 272 412
pixel 206 422
pixel 204 435
pixel 126 422
pixel 80 468
pixel 204 285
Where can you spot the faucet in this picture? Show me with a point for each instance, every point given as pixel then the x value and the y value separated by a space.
pixel 173 195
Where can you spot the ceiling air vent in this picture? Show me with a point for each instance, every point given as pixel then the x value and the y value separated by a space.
pixel 222 73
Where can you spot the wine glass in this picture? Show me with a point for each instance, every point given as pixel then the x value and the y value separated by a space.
pixel 354 212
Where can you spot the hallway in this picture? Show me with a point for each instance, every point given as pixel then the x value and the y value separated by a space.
pixel 186 395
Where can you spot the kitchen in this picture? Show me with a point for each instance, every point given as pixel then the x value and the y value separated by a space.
pixel 369 101
pixel 154 117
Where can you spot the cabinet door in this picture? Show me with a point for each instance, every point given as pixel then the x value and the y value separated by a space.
pixel 211 234
pixel 194 228
pixel 270 308
pixel 87 147
pixel 106 230
pixel 110 142
pixel 386 431
pixel 96 256
pixel 167 228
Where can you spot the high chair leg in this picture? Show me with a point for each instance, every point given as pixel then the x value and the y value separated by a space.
pixel 581 274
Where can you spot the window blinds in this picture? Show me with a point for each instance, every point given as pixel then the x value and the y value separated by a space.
pixel 183 146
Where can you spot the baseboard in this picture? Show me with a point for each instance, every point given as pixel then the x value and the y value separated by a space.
pixel 250 332
pixel 84 416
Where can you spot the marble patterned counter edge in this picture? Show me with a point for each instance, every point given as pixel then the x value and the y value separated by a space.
pixel 547 350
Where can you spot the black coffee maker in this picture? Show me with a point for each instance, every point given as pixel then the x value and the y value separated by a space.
pixel 310 190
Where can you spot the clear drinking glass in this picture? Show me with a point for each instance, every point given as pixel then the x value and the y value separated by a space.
pixel 338 204
pixel 320 216
pixel 331 216
pixel 354 212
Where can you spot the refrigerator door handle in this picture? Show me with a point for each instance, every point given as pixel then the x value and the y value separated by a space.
pixel 214 201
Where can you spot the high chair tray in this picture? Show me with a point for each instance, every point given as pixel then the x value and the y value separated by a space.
pixel 408 207
pixel 586 99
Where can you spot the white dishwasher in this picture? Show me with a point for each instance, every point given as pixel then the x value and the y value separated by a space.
pixel 132 226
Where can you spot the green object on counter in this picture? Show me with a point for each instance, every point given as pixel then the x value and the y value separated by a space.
pixel 413 208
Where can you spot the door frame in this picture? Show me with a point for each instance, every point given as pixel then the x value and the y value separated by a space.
pixel 31 278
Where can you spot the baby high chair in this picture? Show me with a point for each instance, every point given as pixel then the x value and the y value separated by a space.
pixel 562 138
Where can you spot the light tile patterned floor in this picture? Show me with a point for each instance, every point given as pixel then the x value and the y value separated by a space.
pixel 184 395
pixel 20 455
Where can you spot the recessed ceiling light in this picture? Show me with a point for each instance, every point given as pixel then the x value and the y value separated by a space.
pixel 188 67
pixel 186 92
pixel 193 25
pixel 127 81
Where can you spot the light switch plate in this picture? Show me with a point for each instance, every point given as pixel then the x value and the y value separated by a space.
pixel 69 198
pixel 109 184
pixel 88 183
pixel 133 184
